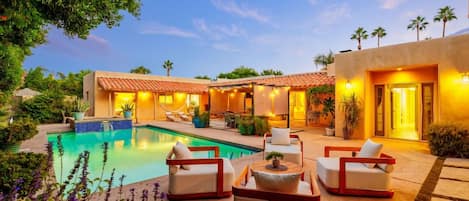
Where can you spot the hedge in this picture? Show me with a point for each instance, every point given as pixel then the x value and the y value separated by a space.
pixel 447 139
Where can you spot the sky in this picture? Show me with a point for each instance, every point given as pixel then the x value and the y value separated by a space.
pixel 207 37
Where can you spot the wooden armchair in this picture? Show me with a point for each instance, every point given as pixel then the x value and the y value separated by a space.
pixel 350 176
pixel 207 177
pixel 244 188
pixel 292 153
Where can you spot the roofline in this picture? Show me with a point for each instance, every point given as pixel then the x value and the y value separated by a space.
pixel 123 75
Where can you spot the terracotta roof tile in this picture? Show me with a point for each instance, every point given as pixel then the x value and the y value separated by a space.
pixel 303 80
pixel 125 84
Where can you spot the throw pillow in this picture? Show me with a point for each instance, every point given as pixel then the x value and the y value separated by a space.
pixel 370 150
pixel 285 183
pixel 182 152
pixel 280 136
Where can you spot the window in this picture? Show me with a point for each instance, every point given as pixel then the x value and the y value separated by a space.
pixel 192 99
pixel 166 99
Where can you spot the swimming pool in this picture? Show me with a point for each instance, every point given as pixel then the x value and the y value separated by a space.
pixel 138 153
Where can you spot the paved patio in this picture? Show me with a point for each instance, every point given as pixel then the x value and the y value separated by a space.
pixel 414 161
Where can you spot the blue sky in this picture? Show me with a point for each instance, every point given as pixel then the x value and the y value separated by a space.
pixel 206 37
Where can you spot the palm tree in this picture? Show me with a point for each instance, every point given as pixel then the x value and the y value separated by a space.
pixel 140 70
pixel 359 35
pixel 379 33
pixel 445 14
pixel 324 59
pixel 168 65
pixel 419 24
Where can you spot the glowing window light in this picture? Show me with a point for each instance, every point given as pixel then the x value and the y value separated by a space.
pixel 348 85
pixel 465 78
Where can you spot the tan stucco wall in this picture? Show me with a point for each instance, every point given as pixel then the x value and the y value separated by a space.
pixel 89 92
pixel 449 54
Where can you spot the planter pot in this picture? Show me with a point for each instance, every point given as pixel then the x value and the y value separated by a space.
pixel 330 131
pixel 78 116
pixel 198 123
pixel 347 133
pixel 128 114
pixel 275 163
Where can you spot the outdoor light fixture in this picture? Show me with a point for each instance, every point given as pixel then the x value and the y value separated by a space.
pixel 465 77
pixel 348 85
pixel 399 69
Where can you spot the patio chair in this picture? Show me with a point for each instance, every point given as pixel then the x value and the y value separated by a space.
pixel 183 116
pixel 364 175
pixel 170 116
pixel 280 140
pixel 203 178
pixel 245 189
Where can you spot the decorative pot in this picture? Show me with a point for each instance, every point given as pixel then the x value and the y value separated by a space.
pixel 197 122
pixel 128 114
pixel 78 116
pixel 347 133
pixel 276 163
pixel 330 131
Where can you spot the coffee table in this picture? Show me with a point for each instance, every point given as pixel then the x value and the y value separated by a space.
pixel 260 166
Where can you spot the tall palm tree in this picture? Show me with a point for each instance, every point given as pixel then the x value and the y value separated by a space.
pixel 168 65
pixel 445 14
pixel 419 24
pixel 379 33
pixel 324 59
pixel 140 70
pixel 359 35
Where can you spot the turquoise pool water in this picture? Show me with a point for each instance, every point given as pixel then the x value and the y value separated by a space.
pixel 139 153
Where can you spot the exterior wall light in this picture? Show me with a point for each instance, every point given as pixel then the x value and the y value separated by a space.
pixel 348 85
pixel 465 78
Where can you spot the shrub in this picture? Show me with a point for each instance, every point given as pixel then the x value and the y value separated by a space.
pixel 261 125
pixel 21 170
pixel 205 118
pixel 20 129
pixel 447 139
pixel 44 108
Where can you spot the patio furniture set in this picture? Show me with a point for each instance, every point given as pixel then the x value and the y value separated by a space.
pixel 367 174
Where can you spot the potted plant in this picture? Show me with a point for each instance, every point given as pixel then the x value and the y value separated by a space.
pixel 329 109
pixel 79 109
pixel 204 120
pixel 275 156
pixel 351 108
pixel 196 120
pixel 127 109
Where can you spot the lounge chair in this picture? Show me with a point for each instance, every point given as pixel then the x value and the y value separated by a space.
pixel 183 116
pixel 245 189
pixel 170 116
pixel 280 140
pixel 363 175
pixel 206 177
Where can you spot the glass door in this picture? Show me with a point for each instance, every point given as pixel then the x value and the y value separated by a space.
pixel 427 108
pixel 404 112
pixel 379 110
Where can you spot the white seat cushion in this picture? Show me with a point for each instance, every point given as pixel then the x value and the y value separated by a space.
pixel 280 136
pixel 291 153
pixel 357 175
pixel 200 179
pixel 370 150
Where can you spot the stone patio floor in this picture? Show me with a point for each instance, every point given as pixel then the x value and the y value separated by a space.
pixel 413 161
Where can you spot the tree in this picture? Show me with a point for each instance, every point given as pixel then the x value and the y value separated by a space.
pixel 24 25
pixel 359 35
pixel 73 84
pixel 203 77
pixel 271 72
pixel 240 72
pixel 168 65
pixel 140 70
pixel 324 59
pixel 379 33
pixel 445 14
pixel 419 24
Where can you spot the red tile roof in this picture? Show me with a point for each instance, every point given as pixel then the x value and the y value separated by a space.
pixel 298 81
pixel 125 84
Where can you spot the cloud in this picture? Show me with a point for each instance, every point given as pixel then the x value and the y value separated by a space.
pixel 411 14
pixel 334 13
pixel 391 4
pixel 159 29
pixel 218 32
pixel 313 2
pixel 231 7
pixel 224 47
pixel 98 40
pixel 94 46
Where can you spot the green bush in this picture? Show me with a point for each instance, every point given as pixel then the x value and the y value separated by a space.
pixel 448 140
pixel 44 108
pixel 29 167
pixel 246 125
pixel 20 129
pixel 205 118
pixel 261 125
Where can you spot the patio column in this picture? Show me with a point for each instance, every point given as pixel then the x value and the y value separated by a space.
pixel 110 103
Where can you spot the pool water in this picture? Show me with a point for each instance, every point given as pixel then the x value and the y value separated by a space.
pixel 138 153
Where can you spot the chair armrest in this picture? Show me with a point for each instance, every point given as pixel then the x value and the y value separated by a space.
pixel 243 177
pixel 207 148
pixel 291 136
pixel 328 149
pixel 344 160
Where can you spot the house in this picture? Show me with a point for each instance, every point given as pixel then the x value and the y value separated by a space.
pixel 404 88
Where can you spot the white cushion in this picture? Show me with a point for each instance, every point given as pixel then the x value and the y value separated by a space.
pixel 292 140
pixel 386 167
pixel 370 150
pixel 357 176
pixel 281 136
pixel 291 153
pixel 285 183
pixel 201 179
pixel 181 151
